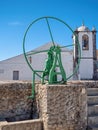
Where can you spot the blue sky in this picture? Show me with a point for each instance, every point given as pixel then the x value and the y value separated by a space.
pixel 16 15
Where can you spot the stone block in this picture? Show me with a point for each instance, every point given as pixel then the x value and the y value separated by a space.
pixel 14 102
pixel 62 107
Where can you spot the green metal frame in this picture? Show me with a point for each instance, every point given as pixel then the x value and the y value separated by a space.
pixel 56 54
pixel 57 63
pixel 52 63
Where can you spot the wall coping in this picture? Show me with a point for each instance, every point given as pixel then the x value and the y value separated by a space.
pixel 21 122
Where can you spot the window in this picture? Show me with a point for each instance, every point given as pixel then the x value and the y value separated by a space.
pixel 30 60
pixel 15 75
pixel 85 42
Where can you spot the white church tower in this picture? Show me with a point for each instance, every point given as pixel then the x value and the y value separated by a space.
pixel 87 40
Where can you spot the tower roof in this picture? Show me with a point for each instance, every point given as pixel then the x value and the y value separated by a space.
pixel 83 28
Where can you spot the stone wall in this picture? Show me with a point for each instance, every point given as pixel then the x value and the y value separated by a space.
pixel 91 84
pixel 62 107
pixel 14 102
pixel 22 125
pixel 86 83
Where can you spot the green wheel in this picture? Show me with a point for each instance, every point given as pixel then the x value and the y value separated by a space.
pixel 47 21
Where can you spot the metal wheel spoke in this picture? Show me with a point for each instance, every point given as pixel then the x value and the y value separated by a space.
pixel 50 31
pixel 36 52
pixel 67 46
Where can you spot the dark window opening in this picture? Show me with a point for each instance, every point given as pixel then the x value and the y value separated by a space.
pixel 15 75
pixel 85 42
pixel 30 60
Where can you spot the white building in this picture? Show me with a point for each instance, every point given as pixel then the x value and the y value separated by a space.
pixel 16 68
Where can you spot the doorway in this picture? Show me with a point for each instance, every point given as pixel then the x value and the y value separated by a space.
pixel 15 75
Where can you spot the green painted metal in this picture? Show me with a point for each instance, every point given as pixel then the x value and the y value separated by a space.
pixel 48 63
pixel 52 63
pixel 54 57
pixel 57 63
pixel 50 31
pixel 33 86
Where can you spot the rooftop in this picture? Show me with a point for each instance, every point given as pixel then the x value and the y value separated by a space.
pixel 83 28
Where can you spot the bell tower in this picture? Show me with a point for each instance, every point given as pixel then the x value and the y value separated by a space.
pixel 87 40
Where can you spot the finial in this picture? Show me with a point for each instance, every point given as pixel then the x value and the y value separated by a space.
pixel 93 29
pixel 82 22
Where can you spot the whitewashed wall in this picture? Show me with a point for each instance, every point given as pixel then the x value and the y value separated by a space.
pixel 15 64
pixel 86 53
pixel 18 63
pixel 86 64
pixel 86 69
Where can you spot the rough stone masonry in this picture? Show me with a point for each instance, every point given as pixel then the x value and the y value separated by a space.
pixel 62 107
pixel 14 102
